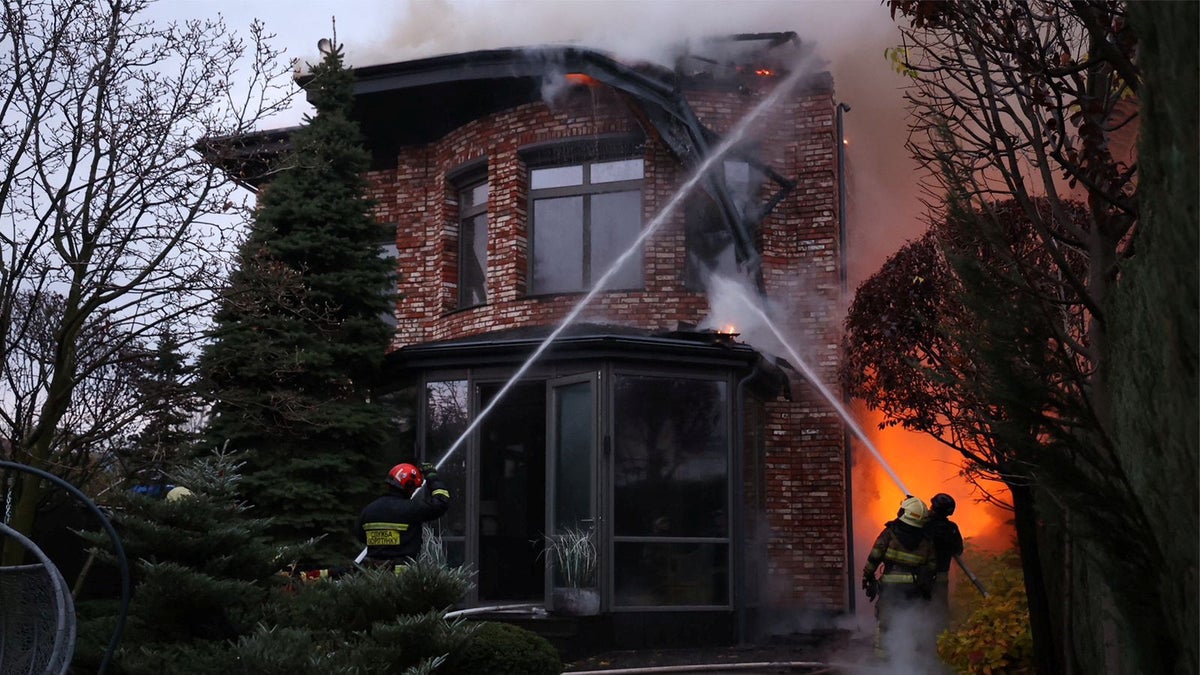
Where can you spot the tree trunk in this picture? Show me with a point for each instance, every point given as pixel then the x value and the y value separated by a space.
pixel 1045 653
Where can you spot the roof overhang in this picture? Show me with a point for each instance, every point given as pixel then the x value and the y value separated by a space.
pixel 591 342
pixel 417 102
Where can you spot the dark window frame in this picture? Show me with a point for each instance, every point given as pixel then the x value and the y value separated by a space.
pixel 725 541
pixel 703 224
pixel 467 218
pixel 585 154
pixel 466 543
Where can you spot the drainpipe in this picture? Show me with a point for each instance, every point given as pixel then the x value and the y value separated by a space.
pixel 847 461
pixel 737 522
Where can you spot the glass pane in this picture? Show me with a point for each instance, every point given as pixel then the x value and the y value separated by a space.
pixel 616 224
pixel 402 432
pixel 479 195
pixel 651 573
pixel 742 182
pixel 737 174
pixel 445 420
pixel 608 172
pixel 670 469
pixel 573 456
pixel 389 251
pixel 512 493
pixel 456 552
pixel 558 245
pixel 472 272
pixel 556 176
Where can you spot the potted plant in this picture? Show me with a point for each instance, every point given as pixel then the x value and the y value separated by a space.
pixel 573 552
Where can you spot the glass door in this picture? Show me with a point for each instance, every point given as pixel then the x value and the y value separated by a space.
pixel 571 468
pixel 512 494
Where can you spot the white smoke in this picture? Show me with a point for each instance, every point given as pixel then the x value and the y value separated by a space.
pixel 850 36
pixel 729 311
pixel 649 30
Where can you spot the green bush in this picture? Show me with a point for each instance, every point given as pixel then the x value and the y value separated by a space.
pixel 504 649
pixel 357 601
pixel 994 637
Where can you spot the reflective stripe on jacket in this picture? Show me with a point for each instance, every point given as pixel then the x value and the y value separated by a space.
pixel 901 564
pixel 391 525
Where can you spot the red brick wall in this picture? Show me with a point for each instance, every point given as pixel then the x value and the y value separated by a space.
pixel 804 440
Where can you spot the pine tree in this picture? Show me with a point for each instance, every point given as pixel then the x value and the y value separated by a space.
pixel 202 567
pixel 209 597
pixel 167 434
pixel 300 335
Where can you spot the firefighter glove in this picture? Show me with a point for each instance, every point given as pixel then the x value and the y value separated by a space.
pixel 428 470
pixel 871 586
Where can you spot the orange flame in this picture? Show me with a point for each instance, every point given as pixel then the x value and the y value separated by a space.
pixel 926 467
pixel 729 329
pixel 763 72
pixel 580 78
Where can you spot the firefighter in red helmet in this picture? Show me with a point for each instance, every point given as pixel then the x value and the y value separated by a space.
pixel 390 526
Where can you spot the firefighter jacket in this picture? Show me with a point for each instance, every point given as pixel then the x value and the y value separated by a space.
pixel 907 556
pixel 391 525
pixel 947 541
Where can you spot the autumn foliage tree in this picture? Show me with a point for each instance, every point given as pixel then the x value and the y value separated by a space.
pixel 947 339
pixel 1035 105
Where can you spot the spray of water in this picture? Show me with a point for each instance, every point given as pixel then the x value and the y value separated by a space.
pixel 734 135
pixel 746 300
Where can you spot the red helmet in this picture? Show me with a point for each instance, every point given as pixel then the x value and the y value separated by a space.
pixel 406 477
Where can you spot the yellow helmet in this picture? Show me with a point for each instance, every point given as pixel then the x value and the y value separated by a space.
pixel 913 511
pixel 178 493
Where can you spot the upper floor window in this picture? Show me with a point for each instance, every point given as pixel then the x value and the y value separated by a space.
pixel 388 251
pixel 472 244
pixel 708 240
pixel 584 216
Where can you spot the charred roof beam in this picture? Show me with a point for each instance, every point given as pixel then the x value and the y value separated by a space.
pixel 691 147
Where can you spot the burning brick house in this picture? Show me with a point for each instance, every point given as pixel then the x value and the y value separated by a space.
pixel 715 489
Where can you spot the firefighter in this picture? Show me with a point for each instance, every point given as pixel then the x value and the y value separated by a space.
pixel 947 543
pixel 390 526
pixel 909 568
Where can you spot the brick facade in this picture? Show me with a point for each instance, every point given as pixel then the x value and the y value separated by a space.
pixel 804 440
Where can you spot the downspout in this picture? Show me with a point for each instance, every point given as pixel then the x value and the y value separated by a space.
pixel 739 509
pixel 847 459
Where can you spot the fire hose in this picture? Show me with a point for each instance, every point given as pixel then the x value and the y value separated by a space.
pixel 970 575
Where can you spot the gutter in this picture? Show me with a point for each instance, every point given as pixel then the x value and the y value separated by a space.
pixel 847 439
pixel 739 506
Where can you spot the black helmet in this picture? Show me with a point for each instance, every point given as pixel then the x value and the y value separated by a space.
pixel 942 504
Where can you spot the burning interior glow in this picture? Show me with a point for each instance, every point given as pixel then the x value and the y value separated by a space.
pixel 581 78
pixel 927 467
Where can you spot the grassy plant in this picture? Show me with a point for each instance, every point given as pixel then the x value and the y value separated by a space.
pixel 573 552
pixel 432 549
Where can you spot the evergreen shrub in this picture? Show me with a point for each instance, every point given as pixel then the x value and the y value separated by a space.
pixel 504 649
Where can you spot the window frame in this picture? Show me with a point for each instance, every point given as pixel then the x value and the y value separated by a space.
pixel 705 374
pixel 586 189
pixel 464 189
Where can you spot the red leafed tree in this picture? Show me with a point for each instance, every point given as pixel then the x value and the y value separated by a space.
pixel 958 336
pixel 1035 105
